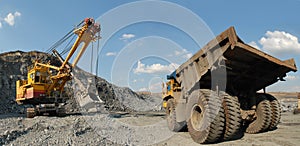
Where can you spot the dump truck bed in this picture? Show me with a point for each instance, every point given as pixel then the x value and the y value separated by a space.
pixel 247 68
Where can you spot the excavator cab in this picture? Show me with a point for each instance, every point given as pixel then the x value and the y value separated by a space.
pixel 35 86
pixel 37 76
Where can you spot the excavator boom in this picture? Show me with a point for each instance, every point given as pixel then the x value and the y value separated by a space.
pixel 86 34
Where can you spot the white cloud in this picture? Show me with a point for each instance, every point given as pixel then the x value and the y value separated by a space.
pixel 10 18
pixel 280 42
pixel 143 89
pixel 189 55
pixel 154 68
pixel 289 77
pixel 127 36
pixel 177 53
pixel 111 54
pixel 0 25
pixel 253 44
pixel 183 53
pixel 17 14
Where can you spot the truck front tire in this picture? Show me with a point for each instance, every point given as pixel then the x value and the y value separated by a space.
pixel 206 122
pixel 171 117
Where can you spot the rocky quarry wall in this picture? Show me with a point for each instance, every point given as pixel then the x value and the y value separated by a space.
pixel 85 93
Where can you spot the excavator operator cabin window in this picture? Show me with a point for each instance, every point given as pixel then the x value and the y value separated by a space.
pixel 37 76
pixel 43 77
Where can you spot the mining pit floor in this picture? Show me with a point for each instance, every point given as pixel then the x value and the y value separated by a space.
pixel 125 129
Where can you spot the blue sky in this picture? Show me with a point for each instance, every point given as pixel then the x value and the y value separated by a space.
pixel 142 41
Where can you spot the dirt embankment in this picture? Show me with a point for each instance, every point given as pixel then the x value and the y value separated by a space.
pixel 288 100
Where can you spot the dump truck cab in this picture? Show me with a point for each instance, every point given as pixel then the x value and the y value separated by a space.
pixel 171 90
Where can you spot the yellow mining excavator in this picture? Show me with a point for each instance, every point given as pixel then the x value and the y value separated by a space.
pixel 45 82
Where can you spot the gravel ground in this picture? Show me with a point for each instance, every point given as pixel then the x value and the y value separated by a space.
pixel 92 129
pixel 71 130
pixel 124 129
pixel 286 134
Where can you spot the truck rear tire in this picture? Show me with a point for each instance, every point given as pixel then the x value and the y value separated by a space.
pixel 171 117
pixel 206 122
pixel 263 116
pixel 233 117
pixel 275 111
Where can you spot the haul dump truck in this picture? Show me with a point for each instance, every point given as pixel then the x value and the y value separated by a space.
pixel 215 92
pixel 45 82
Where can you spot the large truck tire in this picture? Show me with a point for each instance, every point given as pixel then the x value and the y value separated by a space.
pixel 275 111
pixel 233 116
pixel 263 116
pixel 206 122
pixel 171 117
